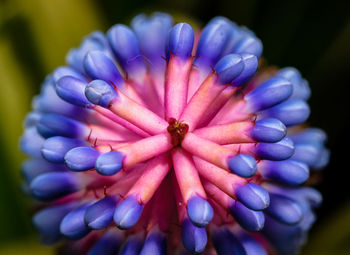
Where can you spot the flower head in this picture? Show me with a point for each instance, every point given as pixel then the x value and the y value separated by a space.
pixel 178 138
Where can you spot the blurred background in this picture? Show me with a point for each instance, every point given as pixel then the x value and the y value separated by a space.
pixel 314 37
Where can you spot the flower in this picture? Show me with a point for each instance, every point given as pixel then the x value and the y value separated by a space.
pixel 180 138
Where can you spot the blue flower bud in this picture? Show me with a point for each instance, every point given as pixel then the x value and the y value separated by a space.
pixel 155 244
pixel 109 163
pixel 132 246
pixel 242 165
pixel 268 130
pixel 48 221
pixel 271 92
pixel 212 41
pixel 62 71
pixel 109 243
pixel 100 214
pixel 251 245
pixel 307 153
pixel 199 211
pixel 31 142
pixel 99 66
pixel 72 90
pixel 301 88
pixel 291 112
pixel 250 66
pixel 54 148
pixel 100 92
pixel 31 119
pixel 324 158
pixel 229 67
pixel 81 158
pixel 151 33
pixel 180 40
pixel 95 41
pixel 249 43
pixel 310 135
pixel 73 226
pixel 127 213
pixel 284 209
pixel 52 124
pixel 126 47
pixel 248 219
pixel 225 242
pixel 35 167
pixel 253 196
pixel 281 150
pixel 49 102
pixel 194 238
pixel 50 186
pixel 288 172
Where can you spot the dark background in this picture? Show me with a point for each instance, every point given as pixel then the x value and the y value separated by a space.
pixel 310 35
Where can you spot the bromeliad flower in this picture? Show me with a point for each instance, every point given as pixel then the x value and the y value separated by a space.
pixel 179 138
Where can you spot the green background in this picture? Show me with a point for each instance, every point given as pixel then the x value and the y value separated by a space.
pixel 311 35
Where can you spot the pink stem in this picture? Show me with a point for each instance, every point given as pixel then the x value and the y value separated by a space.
pixel 186 175
pixel 225 181
pixel 234 110
pixel 108 114
pixel 207 150
pixel 218 103
pixel 145 149
pixel 151 178
pixel 176 86
pixel 138 115
pixel 237 132
pixel 201 100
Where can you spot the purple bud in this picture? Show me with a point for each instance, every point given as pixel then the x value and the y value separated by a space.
pixel 54 148
pixel 132 246
pixel 242 165
pixel 73 225
pixel 31 142
pixel 50 186
pixel 250 66
pixel 52 124
pixel 127 213
pixel 268 130
pixel 100 214
pixel 251 245
pixel 109 163
pixel 284 209
pixel 212 41
pixel 72 90
pixel 271 92
pixel 229 67
pixel 99 66
pixel 109 243
pixel 155 244
pixel 253 196
pixel 81 158
pixel 291 112
pixel 307 153
pixel 48 221
pixel 62 71
pixel 194 238
pixel 248 219
pixel 125 47
pixel 281 150
pixel 35 167
pixel 288 172
pixel 100 93
pixel 199 211
pixel 180 40
pixel 249 44
pixel 225 242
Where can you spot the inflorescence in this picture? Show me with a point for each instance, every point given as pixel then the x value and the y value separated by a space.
pixel 158 139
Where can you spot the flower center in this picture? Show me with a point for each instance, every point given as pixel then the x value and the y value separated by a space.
pixel 177 130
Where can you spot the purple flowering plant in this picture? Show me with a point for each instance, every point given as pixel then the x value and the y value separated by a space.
pixel 162 139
